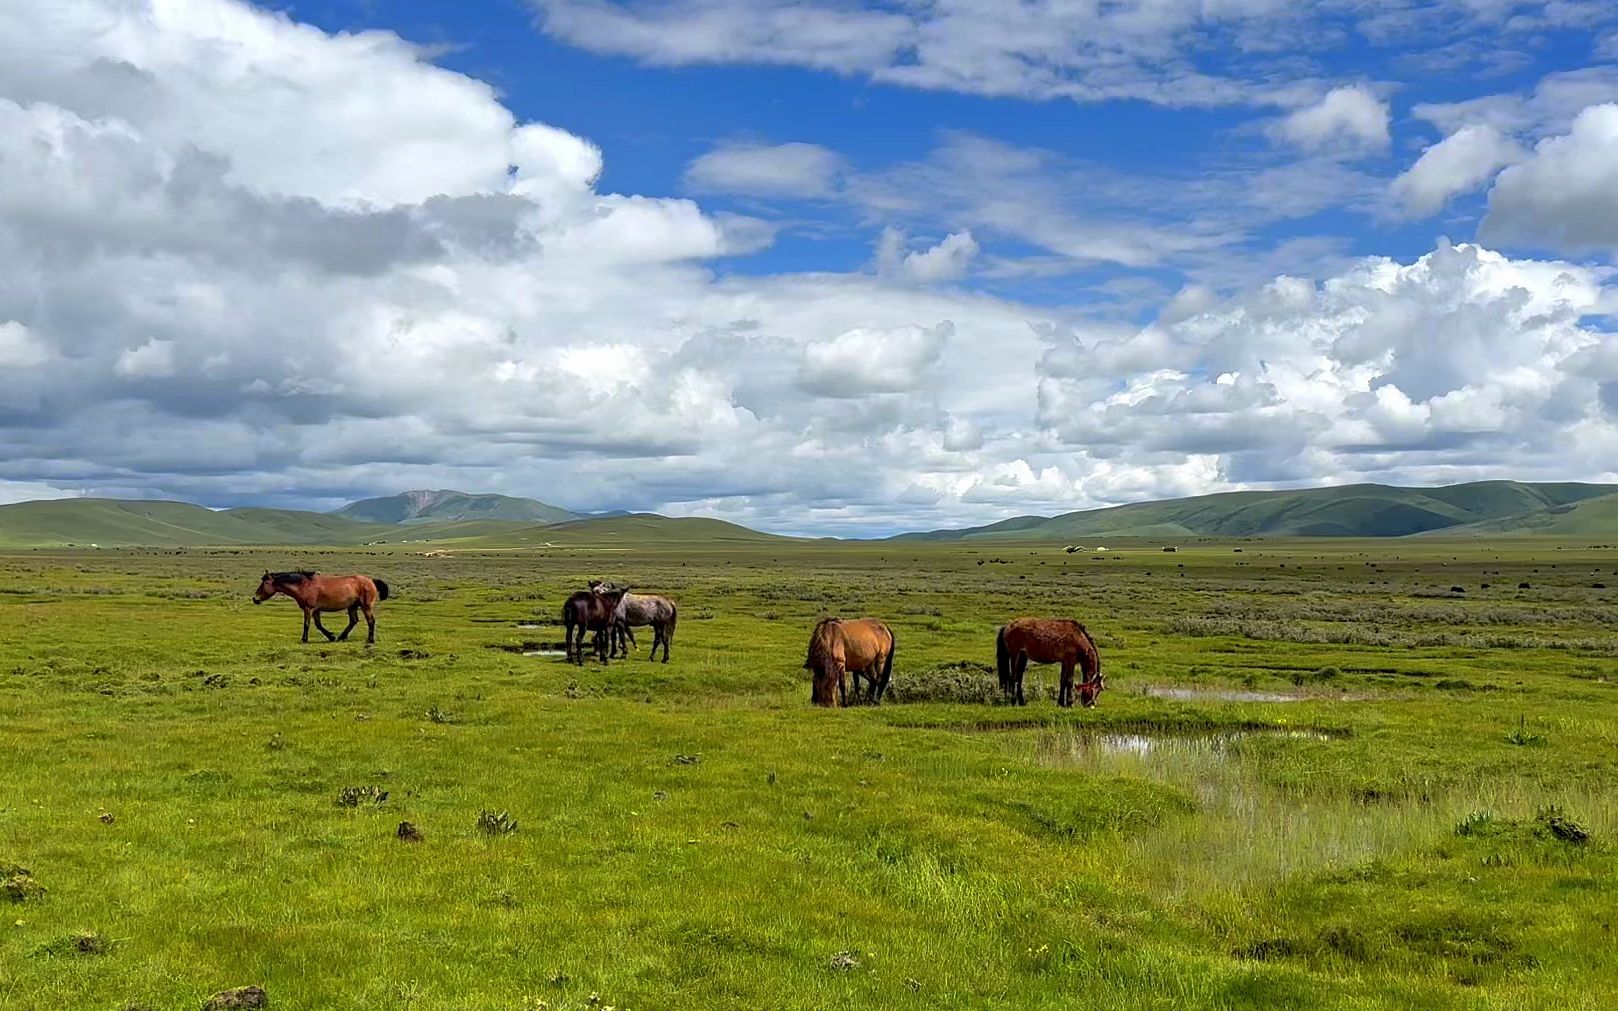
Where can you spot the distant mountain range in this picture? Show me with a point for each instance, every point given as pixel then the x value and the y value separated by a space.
pixel 1483 509
pixel 1359 510
pixel 426 506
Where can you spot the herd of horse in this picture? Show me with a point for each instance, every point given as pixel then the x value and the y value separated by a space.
pixel 841 651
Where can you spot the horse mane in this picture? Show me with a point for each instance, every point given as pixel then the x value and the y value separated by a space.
pixel 292 577
pixel 817 647
pixel 1094 650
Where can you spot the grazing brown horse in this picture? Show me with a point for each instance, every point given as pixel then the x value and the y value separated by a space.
pixel 317 593
pixel 1048 640
pixel 590 611
pixel 863 646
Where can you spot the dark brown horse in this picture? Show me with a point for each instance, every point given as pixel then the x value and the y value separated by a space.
pixel 863 647
pixel 317 593
pixel 1048 640
pixel 590 611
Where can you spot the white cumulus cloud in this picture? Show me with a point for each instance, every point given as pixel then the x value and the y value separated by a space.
pixel 1564 196
pixel 948 260
pixel 1350 118
pixel 1460 163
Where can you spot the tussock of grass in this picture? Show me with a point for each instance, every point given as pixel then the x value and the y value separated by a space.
pixel 965 682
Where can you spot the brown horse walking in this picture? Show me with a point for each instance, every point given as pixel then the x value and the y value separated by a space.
pixel 1048 640
pixel 863 646
pixel 317 593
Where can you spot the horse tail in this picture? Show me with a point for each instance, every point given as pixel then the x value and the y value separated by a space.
pixel 381 589
pixel 1002 658
pixel 674 616
pixel 887 665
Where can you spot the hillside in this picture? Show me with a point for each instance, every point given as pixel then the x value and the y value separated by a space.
pixel 1364 510
pixel 117 523
pixel 1595 517
pixel 424 506
pixel 633 528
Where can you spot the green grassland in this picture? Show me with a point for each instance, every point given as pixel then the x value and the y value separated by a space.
pixel 1365 789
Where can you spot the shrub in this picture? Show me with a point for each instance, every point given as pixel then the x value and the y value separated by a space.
pixel 495 823
pixel 960 681
pixel 354 796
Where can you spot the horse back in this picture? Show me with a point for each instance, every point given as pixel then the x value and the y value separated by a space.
pixel 1047 640
pixel 338 593
pixel 865 641
pixel 644 608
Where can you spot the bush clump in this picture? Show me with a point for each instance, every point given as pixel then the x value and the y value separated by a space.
pixel 960 681
pixel 17 883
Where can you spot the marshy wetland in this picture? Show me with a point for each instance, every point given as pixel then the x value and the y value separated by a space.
pixel 1355 774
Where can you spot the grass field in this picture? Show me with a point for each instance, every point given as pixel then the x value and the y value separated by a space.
pixel 1319 777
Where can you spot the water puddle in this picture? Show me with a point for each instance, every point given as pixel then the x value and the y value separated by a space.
pixel 1221 695
pixel 1069 747
pixel 544 652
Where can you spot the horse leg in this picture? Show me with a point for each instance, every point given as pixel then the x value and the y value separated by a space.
pixel 306 624
pixel 1019 667
pixel 370 624
pixel 1064 696
pixel 323 630
pixel 353 619
pixel 661 630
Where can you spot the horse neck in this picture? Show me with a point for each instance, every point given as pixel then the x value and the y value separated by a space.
pixel 297 591
pixel 1090 658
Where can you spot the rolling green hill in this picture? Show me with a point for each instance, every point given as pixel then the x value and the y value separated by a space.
pixel 1362 510
pixel 425 506
pixel 1593 517
pixel 112 523
pixel 116 523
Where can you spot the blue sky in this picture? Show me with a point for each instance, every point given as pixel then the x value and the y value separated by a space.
pixel 652 121
pixel 816 266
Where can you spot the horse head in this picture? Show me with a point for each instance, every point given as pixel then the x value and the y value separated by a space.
pixel 824 663
pixel 266 589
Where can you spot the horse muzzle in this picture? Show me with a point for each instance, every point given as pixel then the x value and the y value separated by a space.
pixel 256 600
